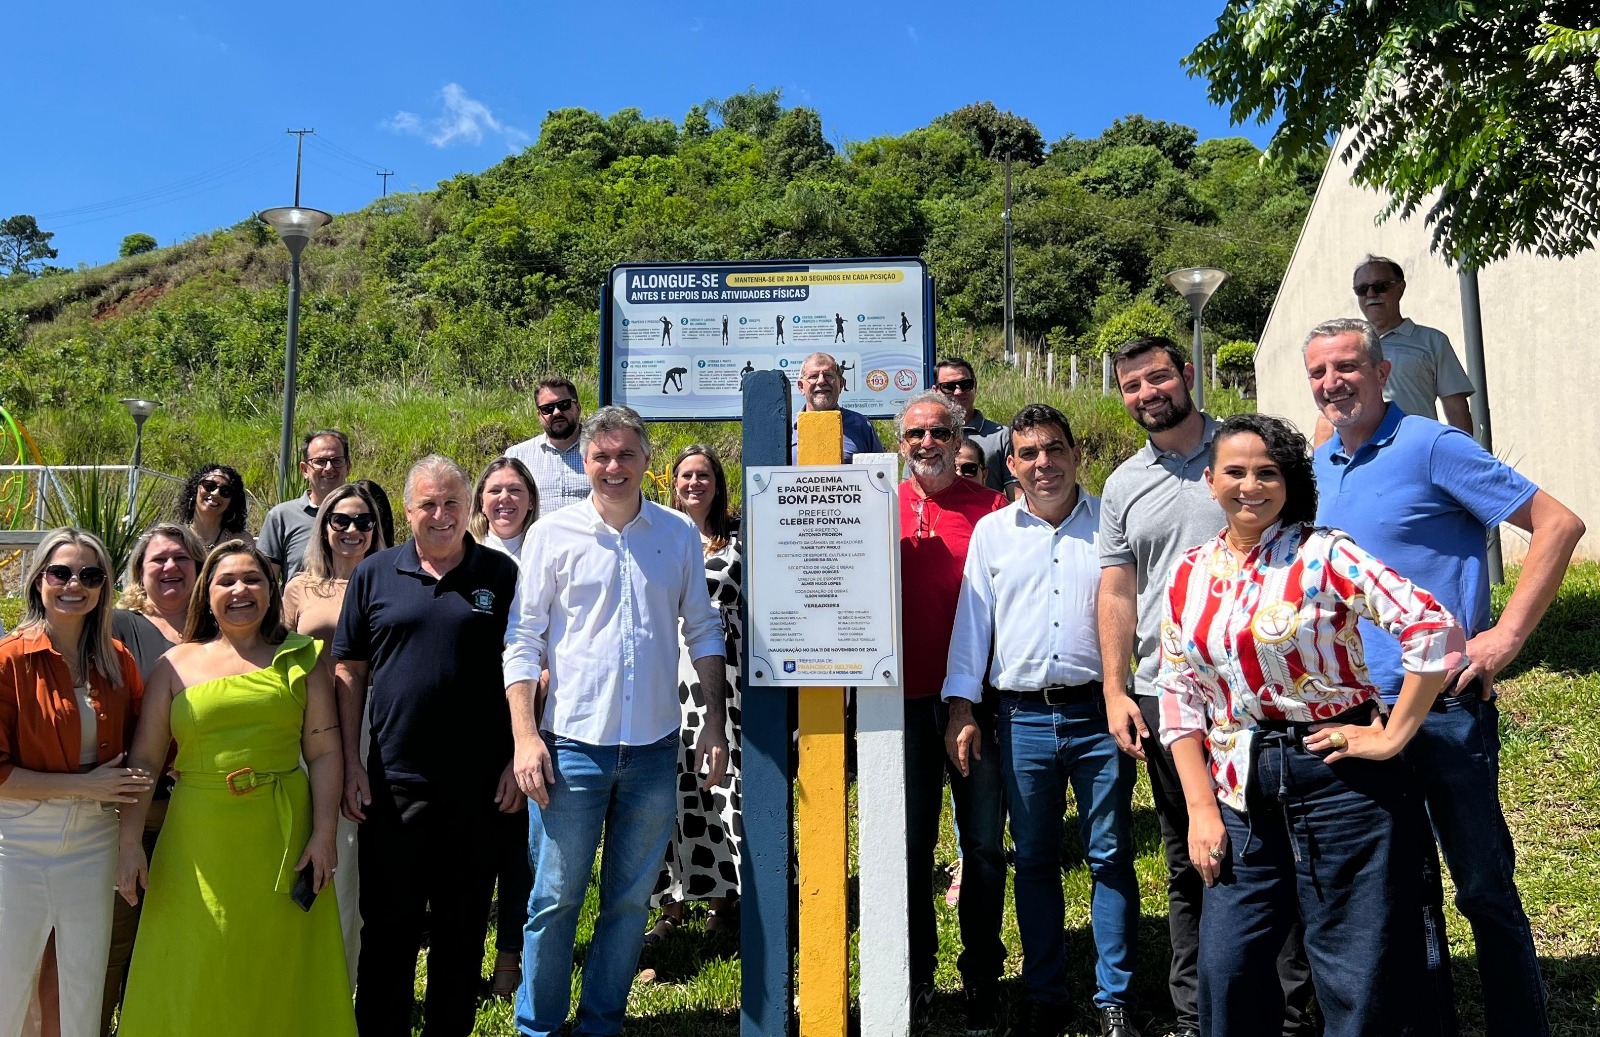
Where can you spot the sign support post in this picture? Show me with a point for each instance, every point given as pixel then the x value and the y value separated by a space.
pixel 766 1002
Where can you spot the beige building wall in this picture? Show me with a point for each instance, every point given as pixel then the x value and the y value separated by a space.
pixel 1541 329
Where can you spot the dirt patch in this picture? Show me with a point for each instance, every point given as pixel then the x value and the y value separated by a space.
pixel 129 303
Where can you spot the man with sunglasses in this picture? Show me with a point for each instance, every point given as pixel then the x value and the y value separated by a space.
pixel 821 382
pixel 554 458
pixel 325 465
pixel 1424 366
pixel 954 377
pixel 938 510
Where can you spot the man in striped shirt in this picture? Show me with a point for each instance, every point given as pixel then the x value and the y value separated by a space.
pixel 554 458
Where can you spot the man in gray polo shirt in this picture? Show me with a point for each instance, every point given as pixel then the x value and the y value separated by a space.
pixel 1156 506
pixel 325 464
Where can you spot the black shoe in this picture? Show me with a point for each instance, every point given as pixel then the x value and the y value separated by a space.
pixel 1186 1031
pixel 1114 1022
pixel 983 1011
pixel 1038 1019
pixel 921 1007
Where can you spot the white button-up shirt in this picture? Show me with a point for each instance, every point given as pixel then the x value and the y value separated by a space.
pixel 601 610
pixel 1027 593
pixel 558 474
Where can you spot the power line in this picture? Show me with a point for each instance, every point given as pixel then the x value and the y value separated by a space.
pixel 322 143
pixel 299 152
pixel 203 180
pixel 386 174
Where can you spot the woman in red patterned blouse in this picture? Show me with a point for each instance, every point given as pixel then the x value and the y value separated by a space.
pixel 1299 805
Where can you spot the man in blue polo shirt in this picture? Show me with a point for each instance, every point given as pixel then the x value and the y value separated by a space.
pixel 1422 496
pixel 820 384
pixel 422 626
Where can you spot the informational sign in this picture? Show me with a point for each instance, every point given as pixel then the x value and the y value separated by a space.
pixel 678 340
pixel 823 598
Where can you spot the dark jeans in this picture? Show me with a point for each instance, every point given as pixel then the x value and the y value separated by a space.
pixel 979 819
pixel 1045 749
pixel 1185 896
pixel 514 881
pixel 1339 847
pixel 1457 757
pixel 422 848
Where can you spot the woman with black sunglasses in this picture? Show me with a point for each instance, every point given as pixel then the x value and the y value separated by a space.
pixel 68 692
pixel 213 506
pixel 346 530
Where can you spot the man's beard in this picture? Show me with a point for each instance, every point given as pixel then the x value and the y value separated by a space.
pixel 1177 413
pixel 931 467
pixel 560 427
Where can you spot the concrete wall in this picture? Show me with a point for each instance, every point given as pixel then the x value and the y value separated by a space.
pixel 1541 328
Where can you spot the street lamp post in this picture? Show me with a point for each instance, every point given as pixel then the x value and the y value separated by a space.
pixel 1196 284
pixel 295 225
pixel 139 410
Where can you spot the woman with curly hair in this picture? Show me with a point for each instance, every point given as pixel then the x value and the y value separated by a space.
pixel 213 506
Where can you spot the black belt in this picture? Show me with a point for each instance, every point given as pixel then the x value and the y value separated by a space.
pixel 1299 730
pixel 1058 694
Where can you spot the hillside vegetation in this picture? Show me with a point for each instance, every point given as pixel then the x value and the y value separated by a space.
pixel 476 288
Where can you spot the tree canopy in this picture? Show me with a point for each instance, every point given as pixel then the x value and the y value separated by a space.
pixel 22 244
pixel 1447 109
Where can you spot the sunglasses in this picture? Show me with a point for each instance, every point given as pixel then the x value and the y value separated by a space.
pixel 221 489
pixel 550 408
pixel 1380 287
pixel 364 522
pixel 90 576
pixel 959 385
pixel 970 469
pixel 940 434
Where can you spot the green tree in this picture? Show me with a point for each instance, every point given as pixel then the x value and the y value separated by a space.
pixel 1448 112
pixel 1142 319
pixel 1174 140
pixel 997 133
pixel 754 112
pixel 136 244
pixel 795 144
pixel 23 244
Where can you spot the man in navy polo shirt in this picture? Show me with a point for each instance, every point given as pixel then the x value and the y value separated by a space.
pixel 422 626
pixel 821 381
pixel 1422 496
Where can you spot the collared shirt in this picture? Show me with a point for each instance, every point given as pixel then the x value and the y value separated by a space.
pixel 286 532
pixel 1422 496
pixel 934 534
pixel 1028 595
pixel 39 717
pixel 1276 638
pixel 859 435
pixel 1156 506
pixel 432 644
pixel 558 474
pixel 601 609
pixel 1423 368
pixel 994 439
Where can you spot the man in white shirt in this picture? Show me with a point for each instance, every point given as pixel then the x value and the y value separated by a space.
pixel 1028 602
pixel 604 588
pixel 554 458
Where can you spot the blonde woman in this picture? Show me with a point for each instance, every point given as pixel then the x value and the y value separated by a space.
pixel 68 694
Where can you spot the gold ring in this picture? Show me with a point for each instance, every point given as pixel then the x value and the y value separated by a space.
pixel 1338 740
pixel 1215 854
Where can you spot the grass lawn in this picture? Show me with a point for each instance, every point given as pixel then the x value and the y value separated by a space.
pixel 1550 775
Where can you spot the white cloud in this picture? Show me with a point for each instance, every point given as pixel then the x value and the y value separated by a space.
pixel 462 119
pixel 911 31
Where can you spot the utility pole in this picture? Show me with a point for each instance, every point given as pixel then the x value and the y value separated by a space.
pixel 1478 371
pixel 1011 307
pixel 386 174
pixel 299 150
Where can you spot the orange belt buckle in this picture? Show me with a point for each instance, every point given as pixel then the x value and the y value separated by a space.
pixel 241 772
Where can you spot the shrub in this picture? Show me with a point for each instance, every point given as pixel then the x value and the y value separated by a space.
pixel 136 244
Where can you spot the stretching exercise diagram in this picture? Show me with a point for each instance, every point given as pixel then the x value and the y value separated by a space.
pixel 844 376
pixel 725 328
pixel 674 378
pixel 838 328
pixel 905 325
pixel 666 331
pixel 780 329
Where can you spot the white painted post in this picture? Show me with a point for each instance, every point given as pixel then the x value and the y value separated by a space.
pixel 1027 364
pixel 1105 374
pixel 1213 370
pixel 1050 369
pixel 1074 372
pixel 881 843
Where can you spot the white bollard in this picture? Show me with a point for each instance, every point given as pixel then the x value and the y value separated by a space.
pixel 1105 374
pixel 1074 372
pixel 1050 369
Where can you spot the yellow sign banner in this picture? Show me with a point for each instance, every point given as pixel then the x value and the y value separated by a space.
pixel 783 278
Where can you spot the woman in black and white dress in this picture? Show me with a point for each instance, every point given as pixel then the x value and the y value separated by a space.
pixel 702 861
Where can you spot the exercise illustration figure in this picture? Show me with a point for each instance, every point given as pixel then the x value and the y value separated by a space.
pixel 905 325
pixel 724 329
pixel 844 376
pixel 666 331
pixel 780 329
pixel 838 328
pixel 674 378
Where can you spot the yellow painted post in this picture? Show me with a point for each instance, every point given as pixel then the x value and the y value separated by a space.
pixel 823 823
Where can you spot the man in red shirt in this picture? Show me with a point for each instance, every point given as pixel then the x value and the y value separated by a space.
pixel 937 512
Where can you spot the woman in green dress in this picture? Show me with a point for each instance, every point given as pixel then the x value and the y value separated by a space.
pixel 223 947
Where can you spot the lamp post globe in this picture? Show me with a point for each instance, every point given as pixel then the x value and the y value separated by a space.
pixel 1197 284
pixel 295 225
pixel 139 409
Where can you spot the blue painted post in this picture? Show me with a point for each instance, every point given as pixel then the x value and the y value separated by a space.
pixel 766 1007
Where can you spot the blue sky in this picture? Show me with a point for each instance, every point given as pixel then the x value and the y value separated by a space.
pixel 168 117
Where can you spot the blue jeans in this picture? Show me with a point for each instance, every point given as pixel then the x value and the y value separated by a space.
pixel 1457 757
pixel 1043 749
pixel 979 809
pixel 1340 849
pixel 630 793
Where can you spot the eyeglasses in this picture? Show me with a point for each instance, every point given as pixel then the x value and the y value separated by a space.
pixel 90 576
pixel 550 408
pixel 221 489
pixel 925 525
pixel 959 385
pixel 940 434
pixel 364 522
pixel 325 463
pixel 970 469
pixel 1379 287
